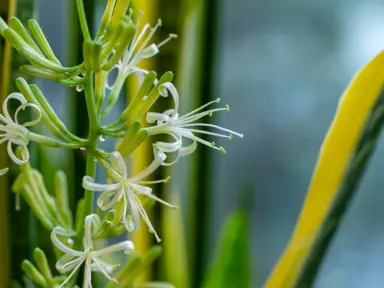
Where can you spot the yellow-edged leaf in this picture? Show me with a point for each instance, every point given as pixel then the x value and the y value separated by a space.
pixel 340 142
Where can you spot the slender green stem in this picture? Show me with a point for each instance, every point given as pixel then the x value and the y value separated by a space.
pixel 94 130
pixel 83 20
pixel 50 142
pixel 349 186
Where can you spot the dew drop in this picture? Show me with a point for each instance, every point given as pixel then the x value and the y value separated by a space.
pixel 82 148
pixel 102 138
pixel 70 241
pixel 79 87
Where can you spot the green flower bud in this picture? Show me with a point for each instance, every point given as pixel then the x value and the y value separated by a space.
pixel 37 32
pixel 141 104
pixel 16 25
pixel 33 273
pixel 42 264
pixel 133 139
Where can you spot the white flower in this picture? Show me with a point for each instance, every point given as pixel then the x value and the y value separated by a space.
pixel 126 190
pixel 185 126
pixel 140 49
pixel 73 259
pixel 15 133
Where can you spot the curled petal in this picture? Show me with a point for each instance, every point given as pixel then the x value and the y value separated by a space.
pixel 153 117
pixel 187 150
pixel 34 107
pixel 172 89
pixel 89 184
pixel 169 147
pixel 60 245
pixel 126 246
pixel 89 221
pixel 17 96
pixel 118 163
pixel 108 268
pixel 24 153
pixel 73 272
pixel 159 159
pixel 149 52
pixel 68 262
pixel 104 202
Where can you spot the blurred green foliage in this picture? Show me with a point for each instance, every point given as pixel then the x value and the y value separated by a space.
pixel 231 265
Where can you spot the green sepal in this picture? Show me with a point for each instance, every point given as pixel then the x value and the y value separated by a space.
pixel 16 25
pixel 33 273
pixel 133 139
pixel 42 263
pixel 37 32
pixel 141 104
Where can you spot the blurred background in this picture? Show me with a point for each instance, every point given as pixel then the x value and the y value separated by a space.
pixel 281 65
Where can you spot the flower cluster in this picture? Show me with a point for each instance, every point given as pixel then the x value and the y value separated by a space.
pixel 118 44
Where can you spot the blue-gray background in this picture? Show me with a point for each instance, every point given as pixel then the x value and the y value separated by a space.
pixel 282 66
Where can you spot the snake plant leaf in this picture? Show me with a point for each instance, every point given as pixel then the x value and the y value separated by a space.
pixel 341 140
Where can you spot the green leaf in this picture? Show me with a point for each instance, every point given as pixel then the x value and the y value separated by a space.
pixel 231 265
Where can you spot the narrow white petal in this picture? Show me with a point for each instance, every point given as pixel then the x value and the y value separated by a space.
pixel 187 150
pixel 34 107
pixel 118 163
pixel 169 147
pixel 135 210
pixel 126 246
pixel 149 52
pixel 140 189
pixel 159 158
pixel 172 89
pixel 60 245
pixel 105 202
pixel 89 184
pixel 161 201
pixel 16 96
pixel 68 262
pixel 88 274
pixel 12 155
pixel 153 117
pixel 71 275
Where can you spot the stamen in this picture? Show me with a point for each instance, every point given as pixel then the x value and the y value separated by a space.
pixel 222 149
pixel 230 137
pixel 200 108
pixel 170 37
pixel 227 107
